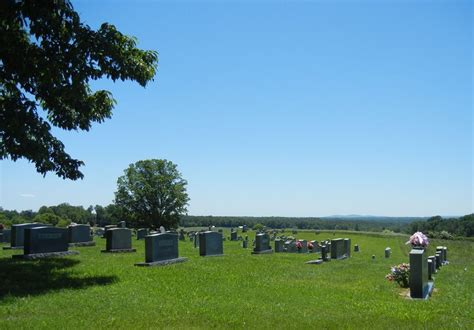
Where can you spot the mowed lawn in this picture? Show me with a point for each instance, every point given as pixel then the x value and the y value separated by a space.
pixel 238 290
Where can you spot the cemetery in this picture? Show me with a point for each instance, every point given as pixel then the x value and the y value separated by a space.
pixel 288 277
pixel 269 165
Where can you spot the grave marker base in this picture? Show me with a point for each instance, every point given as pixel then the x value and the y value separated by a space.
pixel 263 252
pixel 213 255
pixel 119 251
pixel 161 262
pixel 35 256
pixel 314 262
pixel 428 292
pixel 91 243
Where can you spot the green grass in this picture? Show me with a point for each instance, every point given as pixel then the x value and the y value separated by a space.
pixel 238 290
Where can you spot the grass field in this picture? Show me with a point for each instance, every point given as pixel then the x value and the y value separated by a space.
pixel 238 290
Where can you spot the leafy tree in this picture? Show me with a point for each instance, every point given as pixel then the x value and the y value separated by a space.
pixel 50 218
pixel 47 59
pixel 152 193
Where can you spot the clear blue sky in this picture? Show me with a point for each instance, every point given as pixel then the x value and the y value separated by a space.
pixel 284 108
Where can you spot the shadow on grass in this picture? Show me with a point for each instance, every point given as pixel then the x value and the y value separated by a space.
pixel 23 278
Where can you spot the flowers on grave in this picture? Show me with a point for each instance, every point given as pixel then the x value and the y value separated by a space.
pixel 418 239
pixel 299 245
pixel 399 274
pixel 310 246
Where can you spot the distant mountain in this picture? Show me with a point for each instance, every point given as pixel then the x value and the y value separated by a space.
pixel 357 217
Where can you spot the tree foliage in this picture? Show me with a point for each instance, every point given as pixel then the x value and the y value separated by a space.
pixel 152 193
pixel 47 59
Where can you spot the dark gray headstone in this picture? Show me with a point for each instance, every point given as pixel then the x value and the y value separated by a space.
pixel 433 264
pixel 210 243
pixel 122 224
pixel 388 252
pixel 356 248
pixel 159 247
pixel 445 251
pixel 45 240
pixel 438 260
pixel 245 244
pixel 419 285
pixel 141 233
pixel 337 248
pixel 290 246
pixel 279 247
pixel 304 246
pixel 233 236
pixel 119 240
pixel 430 270
pixel 182 236
pixel 244 228
pixel 347 247
pixel 262 244
pixel 79 233
pixel 324 252
pixel 18 233
pixel 107 228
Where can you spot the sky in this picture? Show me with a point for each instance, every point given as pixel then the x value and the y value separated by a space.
pixel 283 108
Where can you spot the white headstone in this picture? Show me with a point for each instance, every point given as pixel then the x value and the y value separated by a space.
pixel 162 229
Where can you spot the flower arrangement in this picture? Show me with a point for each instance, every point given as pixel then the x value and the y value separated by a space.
pixel 399 274
pixel 299 245
pixel 418 239
pixel 310 246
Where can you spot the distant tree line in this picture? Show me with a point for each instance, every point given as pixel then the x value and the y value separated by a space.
pixel 437 227
pixel 64 214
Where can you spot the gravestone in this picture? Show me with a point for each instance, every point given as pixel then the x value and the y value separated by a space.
pixel 122 224
pixel 290 246
pixel 141 233
pixel 45 242
pixel 304 246
pixel 244 228
pixel 430 270
pixel 347 247
pixel 262 244
pixel 162 230
pixel 356 248
pixel 210 244
pixel 337 248
pixel 388 252
pixel 17 235
pixel 233 235
pixel 161 249
pixel 80 235
pixel 107 228
pixel 118 240
pixel 438 260
pixel 373 256
pixel 433 264
pixel 245 243
pixel 445 251
pixel 316 247
pixel 420 287
pixel 324 253
pixel 439 249
pixel 6 236
pixel 220 231
pixel 279 245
